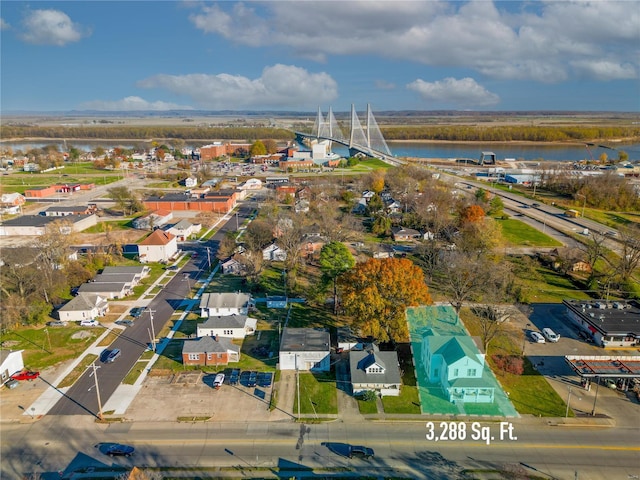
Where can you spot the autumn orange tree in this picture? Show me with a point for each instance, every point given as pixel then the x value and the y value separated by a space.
pixel 377 292
pixel 472 214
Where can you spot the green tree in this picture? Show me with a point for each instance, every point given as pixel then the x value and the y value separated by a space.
pixel 270 145
pixel 376 294
pixel 335 259
pixel 381 226
pixel 257 148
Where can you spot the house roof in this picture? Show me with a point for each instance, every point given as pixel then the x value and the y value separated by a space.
pixel 91 287
pixel 305 340
pixel 359 360
pixel 124 269
pixel 41 220
pixel 115 277
pixel 404 231
pixel 158 237
pixel 4 354
pixel 182 225
pixel 225 321
pixel 209 345
pixel 75 208
pixel 10 197
pixel 452 348
pixel 224 300
pixel 84 301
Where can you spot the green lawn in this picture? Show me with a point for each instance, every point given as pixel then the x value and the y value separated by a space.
pixel 102 226
pixel 317 394
pixel 45 347
pixel 367 407
pixel 518 233
pixel 134 373
pixel 407 402
pixel 78 371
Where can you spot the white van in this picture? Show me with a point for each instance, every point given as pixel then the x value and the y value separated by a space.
pixel 550 335
pixel 219 380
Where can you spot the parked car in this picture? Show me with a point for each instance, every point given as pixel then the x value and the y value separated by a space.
pixel 218 381
pixel 26 375
pixel 57 323
pixel 550 335
pixel 234 376
pixel 359 451
pixel 252 379
pixel 265 379
pixel 113 355
pixel 535 205
pixel 11 383
pixel 118 449
pixel 89 323
pixel 126 323
pixel 536 337
pixel 135 312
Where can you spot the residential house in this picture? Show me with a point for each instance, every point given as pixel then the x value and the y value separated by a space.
pixel 85 306
pixel 394 206
pixel 382 250
pixel 10 362
pixel 129 279
pixel 232 326
pixel 139 272
pixel 109 290
pixel 153 220
pixel 231 266
pixel 274 253
pixel 184 230
pixel 301 206
pixel 401 234
pixel 307 349
pixel 222 304
pixel 190 182
pixel 210 351
pixel 347 340
pixel 10 203
pixel 375 370
pixel 160 246
pixel 456 364
pixel 312 244
pixel 360 208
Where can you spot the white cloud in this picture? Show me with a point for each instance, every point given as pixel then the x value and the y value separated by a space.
pixel 50 27
pixel 4 25
pixel 605 69
pixel 130 104
pixel 280 86
pixel 463 93
pixel 506 40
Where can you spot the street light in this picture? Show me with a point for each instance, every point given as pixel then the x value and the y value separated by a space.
pixel 584 203
pixel 153 332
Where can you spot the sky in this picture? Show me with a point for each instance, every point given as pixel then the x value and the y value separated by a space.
pixel 300 55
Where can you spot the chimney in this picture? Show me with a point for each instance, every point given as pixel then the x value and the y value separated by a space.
pixel 216 338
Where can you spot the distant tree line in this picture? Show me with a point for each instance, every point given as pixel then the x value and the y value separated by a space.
pixel 146 132
pixel 460 133
pixel 471 133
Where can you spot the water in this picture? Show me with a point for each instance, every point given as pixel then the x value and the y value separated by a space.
pixel 571 153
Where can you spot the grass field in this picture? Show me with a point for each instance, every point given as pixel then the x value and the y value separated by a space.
pixel 317 394
pixel 21 181
pixel 518 233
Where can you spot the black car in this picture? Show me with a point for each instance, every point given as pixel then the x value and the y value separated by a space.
pixel 265 379
pixel 359 451
pixel 119 450
pixel 113 355
pixel 252 379
pixel 126 323
pixel 136 312
pixel 234 376
pixel 56 323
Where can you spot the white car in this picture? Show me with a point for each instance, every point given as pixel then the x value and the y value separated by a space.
pixel 550 335
pixel 89 323
pixel 536 337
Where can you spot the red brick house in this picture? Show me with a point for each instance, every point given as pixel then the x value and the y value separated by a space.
pixel 207 351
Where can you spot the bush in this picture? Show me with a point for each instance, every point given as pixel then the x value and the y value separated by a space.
pixel 367 396
pixel 509 364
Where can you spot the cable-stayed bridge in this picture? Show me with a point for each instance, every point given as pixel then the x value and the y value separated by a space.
pixel 367 139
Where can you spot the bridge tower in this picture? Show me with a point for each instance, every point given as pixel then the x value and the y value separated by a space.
pixel 372 139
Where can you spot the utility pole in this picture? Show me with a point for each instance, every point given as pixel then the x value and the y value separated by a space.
pixel 566 414
pixel 298 385
pixel 153 332
pixel 209 257
pixel 95 377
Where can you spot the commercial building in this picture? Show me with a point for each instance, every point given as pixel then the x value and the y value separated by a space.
pixel 610 324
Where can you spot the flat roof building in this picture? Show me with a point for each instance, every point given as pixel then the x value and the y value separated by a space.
pixel 610 324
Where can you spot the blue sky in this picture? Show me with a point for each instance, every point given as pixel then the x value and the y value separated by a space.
pixel 298 55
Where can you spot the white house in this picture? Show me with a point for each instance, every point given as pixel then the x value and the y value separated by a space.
pixel 274 253
pixel 190 182
pixel 224 304
pixel 305 349
pixel 109 290
pixel 184 229
pixel 458 366
pixel 375 370
pixel 154 219
pixel 160 246
pixel 85 306
pixel 232 326
pixel 139 272
pixel 10 362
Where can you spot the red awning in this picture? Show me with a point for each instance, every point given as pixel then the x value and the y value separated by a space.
pixel 592 329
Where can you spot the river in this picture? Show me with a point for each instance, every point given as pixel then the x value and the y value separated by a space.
pixel 530 152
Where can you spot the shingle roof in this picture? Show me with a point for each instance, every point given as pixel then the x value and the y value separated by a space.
pixel 224 300
pixel 209 345
pixel 225 321
pixel 358 359
pixel 158 237
pixel 84 301
pixel 305 340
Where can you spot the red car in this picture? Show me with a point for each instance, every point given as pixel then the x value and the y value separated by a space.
pixel 25 375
